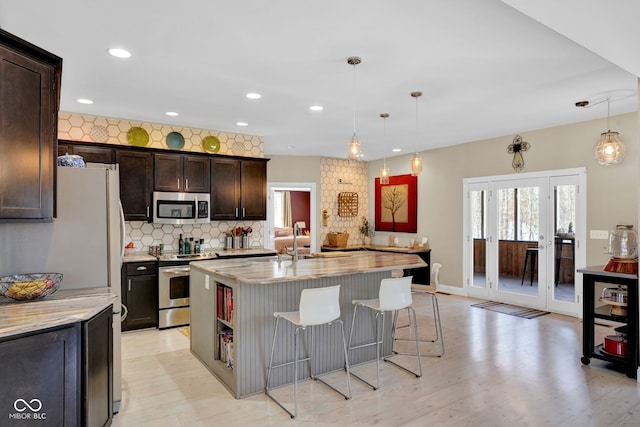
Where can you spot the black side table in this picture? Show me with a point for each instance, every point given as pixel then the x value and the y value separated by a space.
pixel 590 350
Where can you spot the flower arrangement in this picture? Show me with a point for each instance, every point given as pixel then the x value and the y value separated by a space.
pixel 239 231
pixel 365 229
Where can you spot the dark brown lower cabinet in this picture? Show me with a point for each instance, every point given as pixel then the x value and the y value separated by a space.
pixel 59 377
pixel 97 369
pixel 140 295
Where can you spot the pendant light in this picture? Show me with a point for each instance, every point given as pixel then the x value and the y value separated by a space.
pixel 416 159
pixel 354 146
pixel 610 149
pixel 384 170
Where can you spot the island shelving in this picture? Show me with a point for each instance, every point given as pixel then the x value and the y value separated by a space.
pixel 592 312
pixel 259 287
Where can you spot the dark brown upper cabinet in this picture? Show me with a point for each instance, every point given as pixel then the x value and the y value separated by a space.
pixel 90 154
pixel 29 102
pixel 181 173
pixel 136 183
pixel 238 189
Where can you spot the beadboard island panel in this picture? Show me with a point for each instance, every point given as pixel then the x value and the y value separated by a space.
pixel 238 298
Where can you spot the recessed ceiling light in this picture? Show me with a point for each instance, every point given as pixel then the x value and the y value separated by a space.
pixel 242 124
pixel 397 150
pixel 316 108
pixel 84 101
pixel 171 113
pixel 119 53
pixel 291 147
pixel 253 95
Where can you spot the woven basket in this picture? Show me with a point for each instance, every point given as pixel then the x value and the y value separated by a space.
pixel 338 239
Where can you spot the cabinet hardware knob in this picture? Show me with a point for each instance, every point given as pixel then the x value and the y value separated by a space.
pixel 141 268
pixel 129 287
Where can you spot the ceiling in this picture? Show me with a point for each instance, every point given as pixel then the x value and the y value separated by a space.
pixel 485 68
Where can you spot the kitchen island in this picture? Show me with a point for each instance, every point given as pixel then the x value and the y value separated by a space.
pixel 233 301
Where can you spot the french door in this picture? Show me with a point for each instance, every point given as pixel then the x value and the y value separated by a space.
pixel 522 238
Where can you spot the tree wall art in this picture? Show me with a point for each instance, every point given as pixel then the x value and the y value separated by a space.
pixel 397 204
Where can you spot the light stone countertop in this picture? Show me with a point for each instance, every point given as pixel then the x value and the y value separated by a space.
pixel 62 308
pixel 139 257
pixel 228 253
pixel 269 270
pixel 220 253
pixel 372 247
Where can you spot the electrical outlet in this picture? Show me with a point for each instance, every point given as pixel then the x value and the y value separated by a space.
pixel 599 234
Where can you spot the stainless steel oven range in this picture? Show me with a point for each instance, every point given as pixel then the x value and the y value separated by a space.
pixel 173 288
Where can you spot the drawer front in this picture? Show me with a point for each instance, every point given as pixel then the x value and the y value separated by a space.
pixel 140 268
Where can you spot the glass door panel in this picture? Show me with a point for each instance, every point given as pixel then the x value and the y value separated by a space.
pixel 562 250
pixel 475 254
pixel 519 220
pixel 478 234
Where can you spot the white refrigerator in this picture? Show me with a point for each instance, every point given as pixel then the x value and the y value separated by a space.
pixel 84 242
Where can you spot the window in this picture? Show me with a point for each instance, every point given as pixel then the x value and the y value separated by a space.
pixel 278 216
pixel 565 208
pixel 518 214
pixel 478 227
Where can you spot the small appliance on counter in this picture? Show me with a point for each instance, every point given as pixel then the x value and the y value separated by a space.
pixel 617 299
pixel 623 247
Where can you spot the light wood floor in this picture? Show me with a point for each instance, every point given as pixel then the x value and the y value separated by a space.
pixel 498 370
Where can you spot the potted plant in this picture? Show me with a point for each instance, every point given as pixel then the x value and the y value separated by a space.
pixel 366 230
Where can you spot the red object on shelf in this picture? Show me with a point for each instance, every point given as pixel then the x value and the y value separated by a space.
pixel 615 345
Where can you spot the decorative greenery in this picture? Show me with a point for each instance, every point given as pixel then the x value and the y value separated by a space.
pixel 365 229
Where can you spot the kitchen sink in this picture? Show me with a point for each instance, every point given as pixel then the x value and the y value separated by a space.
pixel 269 259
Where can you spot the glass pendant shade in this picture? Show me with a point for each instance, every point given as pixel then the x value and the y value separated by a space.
pixel 416 160
pixel 354 146
pixel 384 175
pixel 610 149
pixel 354 149
pixel 384 170
pixel 416 164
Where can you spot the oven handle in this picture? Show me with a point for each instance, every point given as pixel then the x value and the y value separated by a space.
pixel 174 270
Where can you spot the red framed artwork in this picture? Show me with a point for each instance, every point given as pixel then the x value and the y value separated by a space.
pixel 397 204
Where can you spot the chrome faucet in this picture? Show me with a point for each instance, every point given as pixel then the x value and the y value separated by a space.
pixel 296 230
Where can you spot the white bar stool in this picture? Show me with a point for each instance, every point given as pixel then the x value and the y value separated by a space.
pixel 430 290
pixel 394 295
pixel 318 306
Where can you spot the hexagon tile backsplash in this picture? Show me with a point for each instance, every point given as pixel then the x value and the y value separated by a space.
pixel 337 176
pixel 145 234
pixel 84 128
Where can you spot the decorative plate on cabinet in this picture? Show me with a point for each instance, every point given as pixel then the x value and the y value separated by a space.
pixel 211 144
pixel 99 133
pixel 175 140
pixel 138 137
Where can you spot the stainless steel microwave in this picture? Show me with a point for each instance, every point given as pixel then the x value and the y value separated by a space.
pixel 181 208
